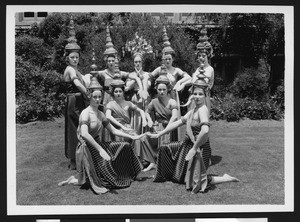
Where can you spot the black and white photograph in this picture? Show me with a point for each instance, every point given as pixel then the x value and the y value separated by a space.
pixel 150 109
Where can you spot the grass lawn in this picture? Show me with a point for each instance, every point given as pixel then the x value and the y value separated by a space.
pixel 252 151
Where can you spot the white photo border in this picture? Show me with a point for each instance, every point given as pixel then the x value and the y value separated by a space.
pixel 14 209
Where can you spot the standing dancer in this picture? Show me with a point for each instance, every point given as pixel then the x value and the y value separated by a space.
pixel 173 74
pixel 107 75
pixel 205 70
pixel 76 99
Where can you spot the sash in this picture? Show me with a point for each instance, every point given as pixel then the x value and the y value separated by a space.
pixel 120 113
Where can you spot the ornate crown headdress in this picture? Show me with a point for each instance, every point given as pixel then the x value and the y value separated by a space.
pixel 138 46
pixel 204 46
pixel 167 49
pixel 117 83
pixel 72 45
pixel 162 78
pixel 110 49
pixel 94 84
pixel 117 74
pixel 200 83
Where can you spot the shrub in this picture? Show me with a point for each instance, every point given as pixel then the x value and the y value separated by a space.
pixel 220 88
pixel 251 83
pixel 278 96
pixel 52 26
pixel 32 49
pixel 257 110
pixel 39 94
pixel 234 109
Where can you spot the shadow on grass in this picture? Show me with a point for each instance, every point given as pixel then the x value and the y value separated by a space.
pixel 141 179
pixel 215 160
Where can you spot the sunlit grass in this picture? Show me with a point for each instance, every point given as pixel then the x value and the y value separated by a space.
pixel 252 151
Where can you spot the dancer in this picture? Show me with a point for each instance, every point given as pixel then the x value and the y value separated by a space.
pixel 119 110
pixel 164 110
pixel 107 75
pixel 205 70
pixel 185 162
pixel 76 98
pixel 103 165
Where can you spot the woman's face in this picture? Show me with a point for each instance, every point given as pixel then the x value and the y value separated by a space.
pixel 162 90
pixel 111 63
pixel 137 62
pixel 73 58
pixel 96 97
pixel 202 56
pixel 118 93
pixel 168 60
pixel 199 96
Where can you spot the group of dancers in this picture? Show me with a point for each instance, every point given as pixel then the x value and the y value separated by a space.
pixel 110 140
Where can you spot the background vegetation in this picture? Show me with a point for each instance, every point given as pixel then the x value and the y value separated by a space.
pixel 252 91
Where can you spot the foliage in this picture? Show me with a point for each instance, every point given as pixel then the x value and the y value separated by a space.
pixel 32 49
pixel 251 35
pixel 251 83
pixel 37 93
pixel 234 109
pixel 51 27
pixel 278 97
pixel 91 33
pixel 220 88
pixel 254 36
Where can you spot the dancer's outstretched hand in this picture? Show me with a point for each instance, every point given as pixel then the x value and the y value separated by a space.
pixel 190 154
pixel 153 135
pixel 126 128
pixel 104 154
pixel 137 137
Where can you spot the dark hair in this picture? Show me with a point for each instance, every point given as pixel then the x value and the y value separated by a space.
pixel 110 55
pixel 112 89
pixel 168 85
pixel 90 92
pixel 193 87
pixel 172 54
pixel 67 53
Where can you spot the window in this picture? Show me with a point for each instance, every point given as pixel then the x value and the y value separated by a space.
pixel 42 14
pixel 28 14
pixel 169 14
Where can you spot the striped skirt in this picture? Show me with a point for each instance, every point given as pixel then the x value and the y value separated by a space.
pixel 171 163
pixel 119 172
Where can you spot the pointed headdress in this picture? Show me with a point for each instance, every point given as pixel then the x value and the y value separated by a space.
pixel 94 84
pixel 163 78
pixel 204 45
pixel 110 49
pixel 72 45
pixel 167 49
